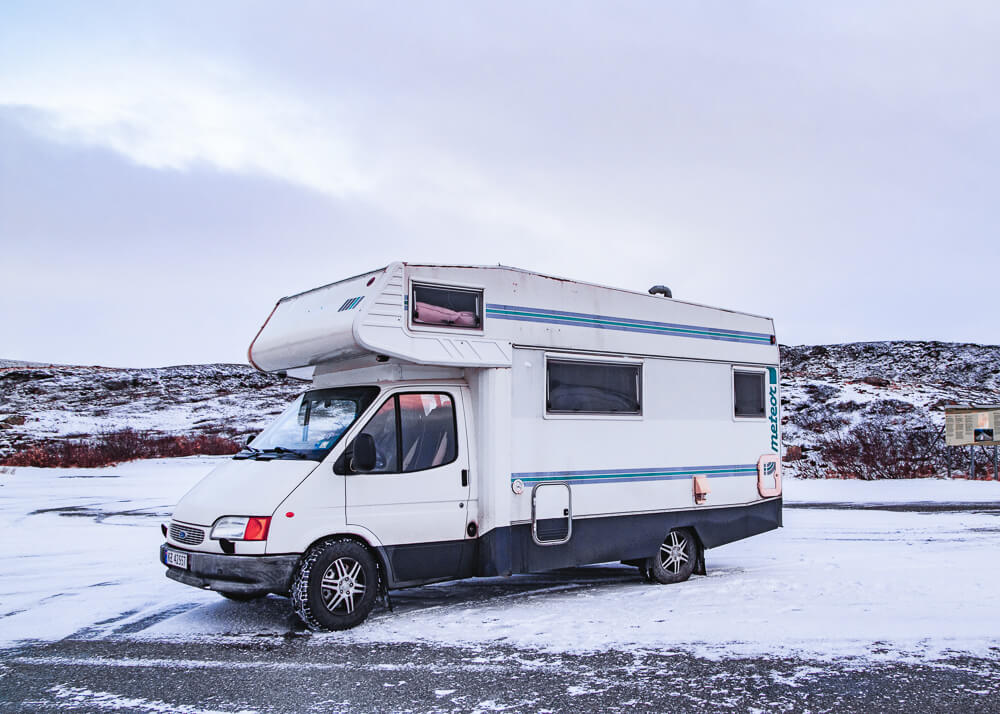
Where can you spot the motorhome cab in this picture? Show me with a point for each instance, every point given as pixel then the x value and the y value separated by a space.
pixel 479 421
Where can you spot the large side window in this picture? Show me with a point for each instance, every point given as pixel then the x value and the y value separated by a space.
pixel 450 307
pixel 428 430
pixel 414 432
pixel 748 394
pixel 593 387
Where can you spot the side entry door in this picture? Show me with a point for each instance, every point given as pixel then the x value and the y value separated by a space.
pixel 415 498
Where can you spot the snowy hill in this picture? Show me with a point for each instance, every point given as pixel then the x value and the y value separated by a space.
pixel 38 404
pixel 896 389
pixel 5 363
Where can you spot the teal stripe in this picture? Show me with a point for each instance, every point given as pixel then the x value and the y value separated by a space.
pixel 648 474
pixel 615 323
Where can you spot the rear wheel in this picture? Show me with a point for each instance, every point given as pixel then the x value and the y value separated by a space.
pixel 675 560
pixel 335 586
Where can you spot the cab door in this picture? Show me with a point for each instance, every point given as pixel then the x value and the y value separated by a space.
pixel 415 498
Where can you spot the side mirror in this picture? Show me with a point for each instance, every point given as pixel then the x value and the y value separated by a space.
pixel 363 453
pixel 248 438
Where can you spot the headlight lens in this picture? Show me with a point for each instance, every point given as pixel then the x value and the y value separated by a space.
pixel 230 527
pixel 241 528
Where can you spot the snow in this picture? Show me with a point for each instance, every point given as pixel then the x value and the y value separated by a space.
pixel 76 697
pixel 925 490
pixel 80 558
pixel 81 545
pixel 832 583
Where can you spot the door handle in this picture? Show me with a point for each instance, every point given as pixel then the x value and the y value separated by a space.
pixel 465 477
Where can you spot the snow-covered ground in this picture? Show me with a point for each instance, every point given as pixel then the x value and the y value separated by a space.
pixel 79 558
pixel 80 546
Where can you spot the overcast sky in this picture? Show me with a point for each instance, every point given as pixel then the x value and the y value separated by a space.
pixel 167 174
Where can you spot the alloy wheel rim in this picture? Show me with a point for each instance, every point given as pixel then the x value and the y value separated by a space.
pixel 673 552
pixel 343 585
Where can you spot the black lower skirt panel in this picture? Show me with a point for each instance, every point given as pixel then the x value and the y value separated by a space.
pixel 629 537
pixel 509 550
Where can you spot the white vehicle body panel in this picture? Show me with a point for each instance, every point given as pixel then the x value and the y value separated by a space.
pixel 241 488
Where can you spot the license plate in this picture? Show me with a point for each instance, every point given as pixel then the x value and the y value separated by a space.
pixel 177 560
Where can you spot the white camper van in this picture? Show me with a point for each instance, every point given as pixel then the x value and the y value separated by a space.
pixel 478 421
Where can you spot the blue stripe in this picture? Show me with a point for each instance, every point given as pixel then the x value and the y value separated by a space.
pixel 601 322
pixel 672 473
pixel 350 304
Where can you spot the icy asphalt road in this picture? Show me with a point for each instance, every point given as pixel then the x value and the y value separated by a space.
pixel 873 597
pixel 301 675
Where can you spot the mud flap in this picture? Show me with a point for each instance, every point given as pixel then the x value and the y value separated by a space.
pixel 699 563
pixel 383 582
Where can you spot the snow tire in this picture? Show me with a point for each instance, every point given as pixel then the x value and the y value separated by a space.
pixel 335 585
pixel 676 558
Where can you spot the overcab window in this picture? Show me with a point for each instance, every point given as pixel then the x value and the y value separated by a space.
pixel 593 388
pixel 748 394
pixel 451 307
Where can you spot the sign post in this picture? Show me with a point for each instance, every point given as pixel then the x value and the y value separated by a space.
pixel 972 425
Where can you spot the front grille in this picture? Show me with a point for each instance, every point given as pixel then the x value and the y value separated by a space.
pixel 188 535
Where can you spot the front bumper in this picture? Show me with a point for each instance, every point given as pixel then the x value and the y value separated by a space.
pixel 237 574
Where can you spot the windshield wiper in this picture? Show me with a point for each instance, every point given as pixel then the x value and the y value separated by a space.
pixel 281 450
pixel 241 454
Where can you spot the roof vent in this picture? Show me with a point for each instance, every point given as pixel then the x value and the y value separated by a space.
pixel 661 290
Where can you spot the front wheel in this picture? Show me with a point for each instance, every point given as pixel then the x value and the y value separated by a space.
pixel 675 560
pixel 335 586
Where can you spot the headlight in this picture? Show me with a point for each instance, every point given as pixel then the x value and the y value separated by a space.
pixel 241 528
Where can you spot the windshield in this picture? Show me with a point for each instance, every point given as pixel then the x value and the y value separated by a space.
pixel 312 425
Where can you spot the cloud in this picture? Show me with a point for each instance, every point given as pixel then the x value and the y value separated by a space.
pixel 203 113
pixel 188 114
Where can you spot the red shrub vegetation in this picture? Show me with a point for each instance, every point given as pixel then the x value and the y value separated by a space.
pixel 876 449
pixel 116 446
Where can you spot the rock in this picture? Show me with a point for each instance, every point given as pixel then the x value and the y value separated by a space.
pixel 25 375
pixel 875 381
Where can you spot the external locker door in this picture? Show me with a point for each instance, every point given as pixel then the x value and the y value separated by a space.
pixel 551 513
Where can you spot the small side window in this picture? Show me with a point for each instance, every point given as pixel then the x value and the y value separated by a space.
pixel 382 428
pixel 593 388
pixel 748 394
pixel 449 307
